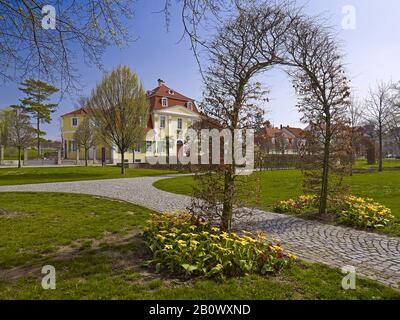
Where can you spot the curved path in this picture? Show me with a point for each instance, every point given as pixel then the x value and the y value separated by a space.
pixel 374 256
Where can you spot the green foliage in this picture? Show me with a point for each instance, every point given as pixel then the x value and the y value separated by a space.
pixel 37 92
pixel 119 109
pixel 193 247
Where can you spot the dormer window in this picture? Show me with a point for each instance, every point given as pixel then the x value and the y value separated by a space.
pixel 189 105
pixel 164 102
pixel 171 92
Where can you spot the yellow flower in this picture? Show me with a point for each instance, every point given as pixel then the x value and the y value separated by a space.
pixel 168 247
pixel 215 229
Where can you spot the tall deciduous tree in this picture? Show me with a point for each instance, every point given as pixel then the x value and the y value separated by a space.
pixel 119 109
pixel 320 82
pixel 21 132
pixel 244 47
pixel 37 94
pixel 85 137
pixel 379 108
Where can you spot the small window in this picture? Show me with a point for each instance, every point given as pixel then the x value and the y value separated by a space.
pixel 164 102
pixel 138 148
pixel 179 124
pixel 74 146
pixel 162 122
pixel 149 146
pixel 161 147
pixel 74 122
pixel 189 105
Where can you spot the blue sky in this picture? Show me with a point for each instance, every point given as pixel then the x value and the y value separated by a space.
pixel 372 53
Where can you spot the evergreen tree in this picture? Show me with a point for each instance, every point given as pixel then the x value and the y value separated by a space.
pixel 37 94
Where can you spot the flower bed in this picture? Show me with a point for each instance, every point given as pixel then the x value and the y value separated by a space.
pixel 196 248
pixel 364 213
pixel 352 211
pixel 302 204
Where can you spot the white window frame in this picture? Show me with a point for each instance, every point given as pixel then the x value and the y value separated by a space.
pixel 164 101
pixel 161 146
pixel 177 124
pixel 162 122
pixel 189 105
pixel 72 122
pixel 151 148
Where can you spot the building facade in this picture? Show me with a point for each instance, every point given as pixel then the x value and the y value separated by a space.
pixel 171 115
pixel 283 140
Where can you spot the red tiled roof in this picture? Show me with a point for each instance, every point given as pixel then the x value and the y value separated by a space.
pixel 174 99
pixel 270 132
pixel 77 112
pixel 298 132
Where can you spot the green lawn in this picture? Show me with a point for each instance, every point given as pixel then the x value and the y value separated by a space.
pixel 280 185
pixel 96 248
pixel 12 176
pixel 387 163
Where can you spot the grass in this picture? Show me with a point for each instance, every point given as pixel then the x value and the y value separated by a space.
pixel 279 185
pixel 98 253
pixel 13 176
pixel 387 163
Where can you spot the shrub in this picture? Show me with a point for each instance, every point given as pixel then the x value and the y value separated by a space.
pixel 195 248
pixel 364 213
pixel 299 205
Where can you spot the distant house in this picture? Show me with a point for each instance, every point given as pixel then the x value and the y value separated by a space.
pixel 171 114
pixel 282 140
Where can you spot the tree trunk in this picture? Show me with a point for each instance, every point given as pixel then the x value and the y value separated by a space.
pixel 227 210
pixel 167 147
pixel 86 156
pixel 1 154
pixel 380 158
pixel 19 156
pixel 122 163
pixel 38 137
pixel 325 173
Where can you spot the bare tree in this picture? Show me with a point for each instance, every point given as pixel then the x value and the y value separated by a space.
pixel 394 117
pixel 85 137
pixel 323 90
pixel 119 108
pixel 244 47
pixel 355 118
pixel 21 132
pixel 82 28
pixel 378 111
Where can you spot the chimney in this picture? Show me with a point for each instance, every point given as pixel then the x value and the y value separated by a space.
pixel 161 82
